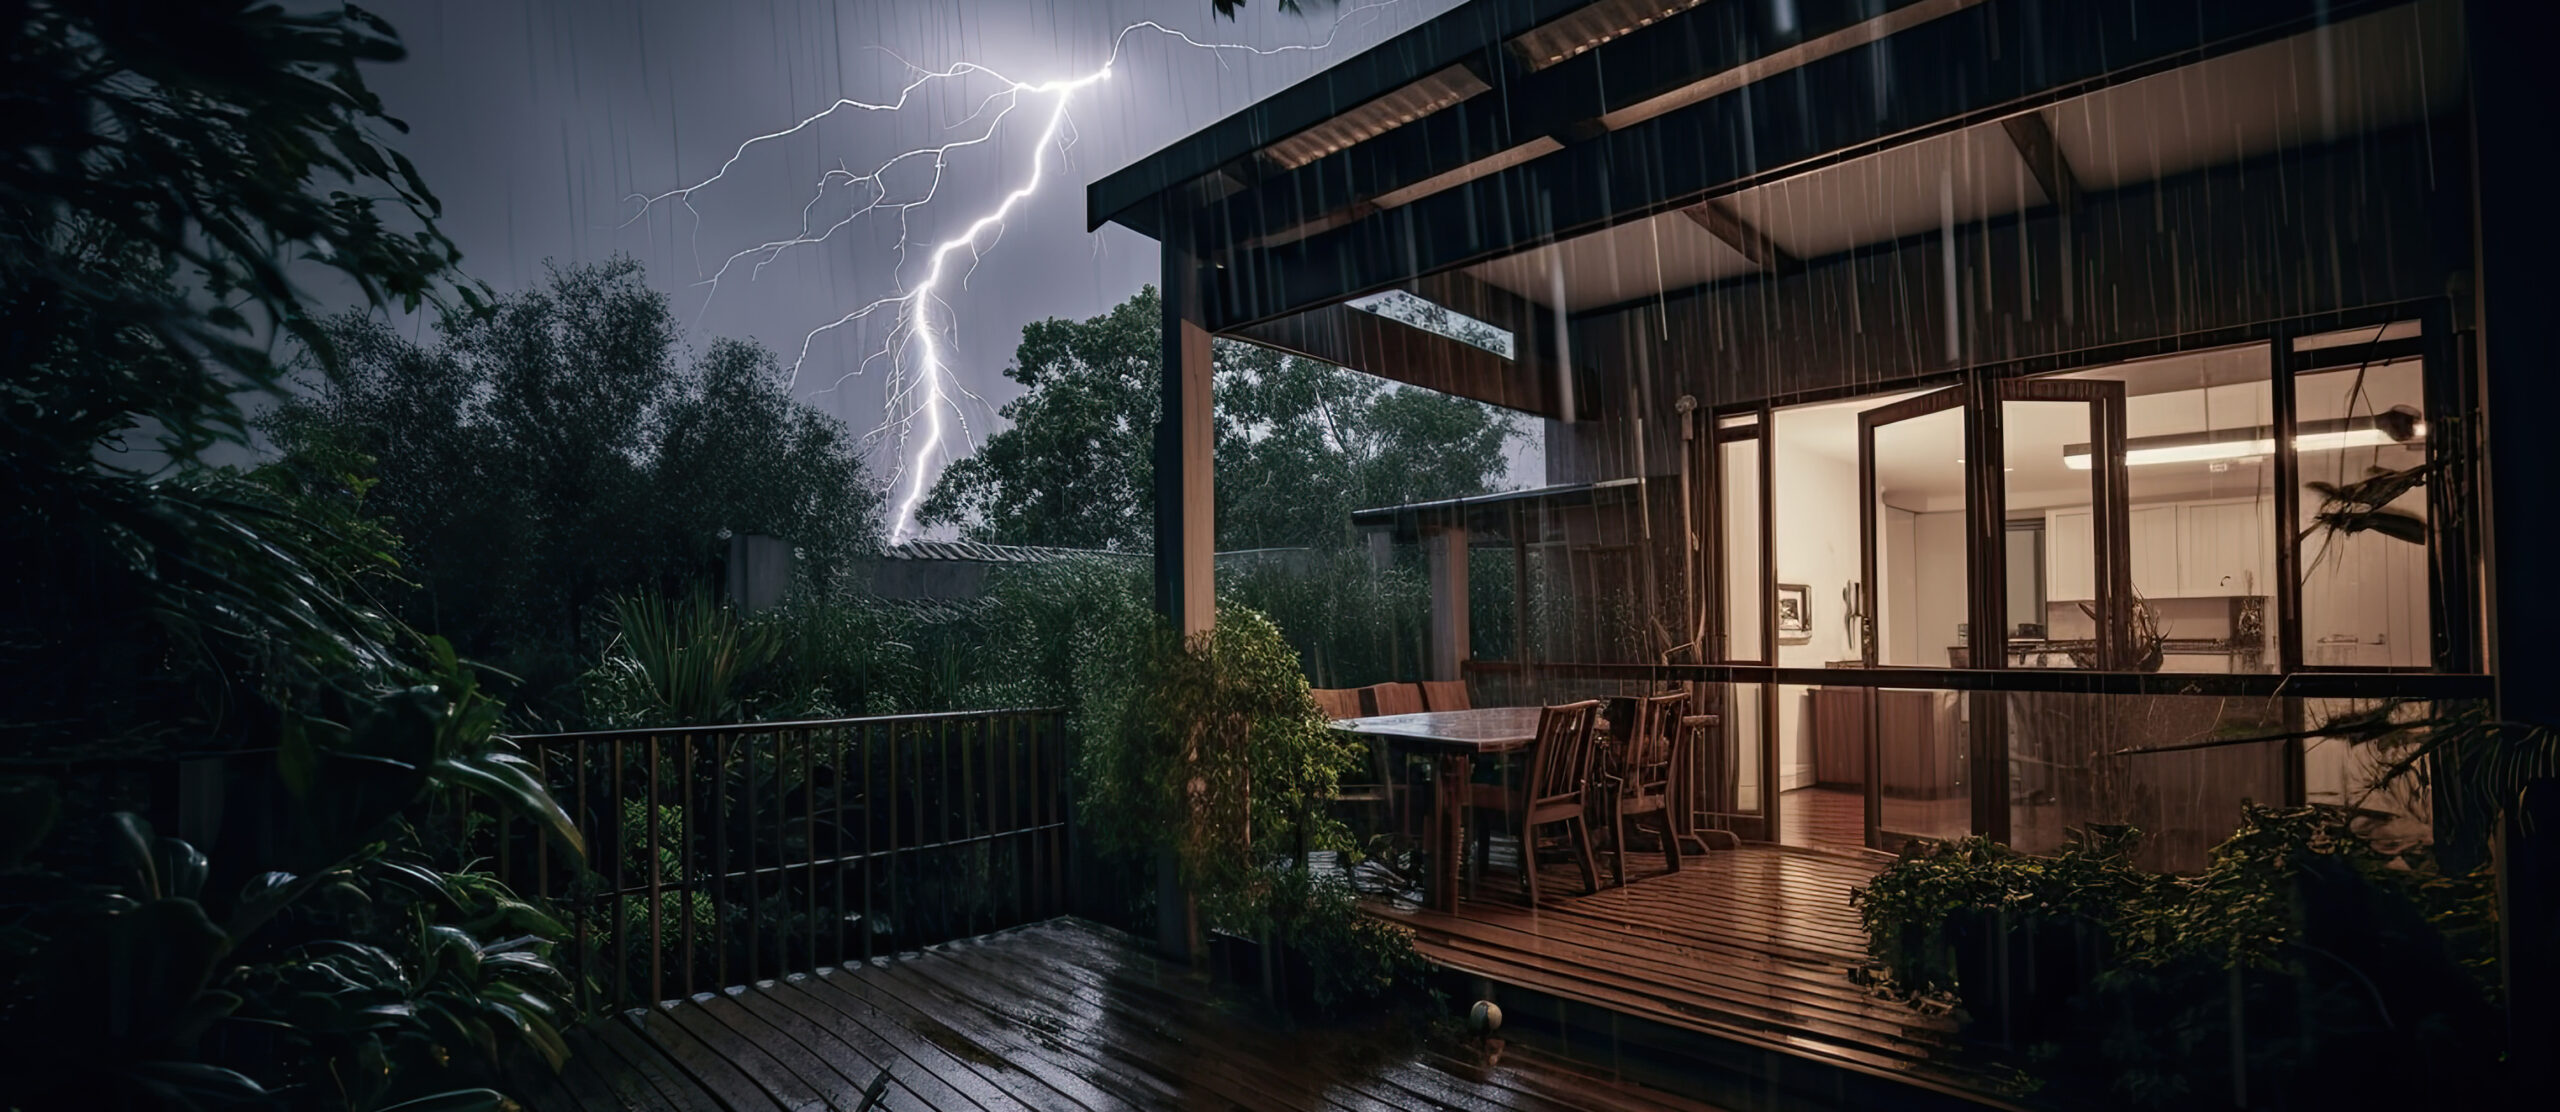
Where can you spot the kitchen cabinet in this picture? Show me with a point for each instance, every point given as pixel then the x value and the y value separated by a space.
pixel 2178 550
pixel 2154 547
pixel 2070 564
pixel 2226 548
pixel 1921 747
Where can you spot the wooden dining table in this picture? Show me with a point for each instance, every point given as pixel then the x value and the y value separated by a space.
pixel 1454 739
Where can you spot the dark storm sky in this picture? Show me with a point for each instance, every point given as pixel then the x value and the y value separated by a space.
pixel 534 120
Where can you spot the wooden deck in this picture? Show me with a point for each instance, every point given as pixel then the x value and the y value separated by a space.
pixel 1741 958
pixel 1061 1015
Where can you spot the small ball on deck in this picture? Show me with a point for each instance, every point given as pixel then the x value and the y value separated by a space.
pixel 1485 1017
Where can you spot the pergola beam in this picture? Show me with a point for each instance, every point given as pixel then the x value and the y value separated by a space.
pixel 1751 243
pixel 2034 139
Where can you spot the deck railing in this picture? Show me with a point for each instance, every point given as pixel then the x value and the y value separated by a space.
pixel 719 855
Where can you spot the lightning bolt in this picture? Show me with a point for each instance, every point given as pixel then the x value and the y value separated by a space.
pixel 919 392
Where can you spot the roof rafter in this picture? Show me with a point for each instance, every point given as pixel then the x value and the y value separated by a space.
pixel 2034 139
pixel 1751 243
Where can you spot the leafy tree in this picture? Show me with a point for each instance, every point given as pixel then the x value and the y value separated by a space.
pixel 163 163
pixel 1300 444
pixel 1075 470
pixel 560 431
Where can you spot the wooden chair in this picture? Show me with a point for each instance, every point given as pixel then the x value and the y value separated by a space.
pixel 1391 698
pixel 1375 790
pixel 1554 794
pixel 1646 777
pixel 1445 695
pixel 1337 703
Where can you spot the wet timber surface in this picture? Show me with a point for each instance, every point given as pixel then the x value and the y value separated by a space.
pixel 1061 1015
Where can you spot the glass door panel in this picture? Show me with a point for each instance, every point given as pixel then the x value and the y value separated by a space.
pixel 2360 436
pixel 1916 502
pixel 2054 562
pixel 1915 513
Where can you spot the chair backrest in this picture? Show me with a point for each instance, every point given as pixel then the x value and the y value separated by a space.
pixel 1391 698
pixel 1657 724
pixel 1561 759
pixel 1337 703
pixel 1445 695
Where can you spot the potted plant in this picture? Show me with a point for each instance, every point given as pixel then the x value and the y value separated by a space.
pixel 1208 752
pixel 2013 936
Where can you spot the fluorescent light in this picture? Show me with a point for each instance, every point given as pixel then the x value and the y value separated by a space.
pixel 2312 436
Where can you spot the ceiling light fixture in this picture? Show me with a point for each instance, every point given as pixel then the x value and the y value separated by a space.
pixel 2398 425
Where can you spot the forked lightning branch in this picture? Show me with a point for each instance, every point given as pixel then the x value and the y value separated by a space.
pixel 924 403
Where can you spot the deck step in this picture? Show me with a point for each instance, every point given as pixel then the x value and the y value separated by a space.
pixel 1727 981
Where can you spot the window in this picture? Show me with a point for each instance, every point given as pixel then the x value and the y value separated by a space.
pixel 1439 320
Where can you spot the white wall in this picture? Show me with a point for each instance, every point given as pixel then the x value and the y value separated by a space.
pixel 1899 567
pixel 1817 545
pixel 1938 586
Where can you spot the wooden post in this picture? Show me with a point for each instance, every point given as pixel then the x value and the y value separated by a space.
pixel 1186 522
pixel 1186 511
pixel 2515 230
pixel 1447 547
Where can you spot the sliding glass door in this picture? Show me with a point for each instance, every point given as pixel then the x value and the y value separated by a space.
pixel 1943 479
pixel 1916 564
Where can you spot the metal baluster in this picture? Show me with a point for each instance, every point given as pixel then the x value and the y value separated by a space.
pixel 583 976
pixel 839 751
pixel 781 859
pixel 809 844
pixel 718 783
pixel 897 921
pixel 657 886
pixel 870 824
pixel 755 909
pixel 621 890
pixel 686 881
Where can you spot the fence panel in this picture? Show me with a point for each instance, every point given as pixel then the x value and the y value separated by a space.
pixel 719 855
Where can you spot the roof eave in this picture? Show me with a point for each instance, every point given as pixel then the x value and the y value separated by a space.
pixel 1132 195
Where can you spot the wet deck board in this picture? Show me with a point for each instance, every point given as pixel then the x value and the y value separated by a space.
pixel 1061 1015
pixel 1752 945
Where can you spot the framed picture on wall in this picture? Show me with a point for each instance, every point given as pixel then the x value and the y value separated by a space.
pixel 1795 612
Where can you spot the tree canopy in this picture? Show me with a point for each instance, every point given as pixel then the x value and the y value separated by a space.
pixel 543 457
pixel 1300 443
pixel 168 169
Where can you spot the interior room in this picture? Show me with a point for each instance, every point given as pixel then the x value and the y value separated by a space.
pixel 2202 540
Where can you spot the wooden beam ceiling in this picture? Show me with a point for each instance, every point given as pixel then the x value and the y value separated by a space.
pixel 2020 54
pixel 2034 140
pixel 1750 242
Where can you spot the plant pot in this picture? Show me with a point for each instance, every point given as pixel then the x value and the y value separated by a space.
pixel 2017 974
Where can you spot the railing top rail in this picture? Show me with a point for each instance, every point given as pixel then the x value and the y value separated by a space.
pixel 726 729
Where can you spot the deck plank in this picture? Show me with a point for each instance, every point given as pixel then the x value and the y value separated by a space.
pixel 1159 1013
pixel 923 1068
pixel 1062 1015
pixel 851 987
pixel 620 1051
pixel 1754 944
pixel 1024 1048
pixel 729 1073
pixel 1107 1037
pixel 836 1083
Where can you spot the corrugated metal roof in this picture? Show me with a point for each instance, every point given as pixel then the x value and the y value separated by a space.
pixel 973 552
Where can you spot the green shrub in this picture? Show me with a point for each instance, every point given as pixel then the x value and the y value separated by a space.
pixel 2303 966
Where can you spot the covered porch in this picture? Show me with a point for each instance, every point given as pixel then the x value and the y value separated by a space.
pixel 1956 430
